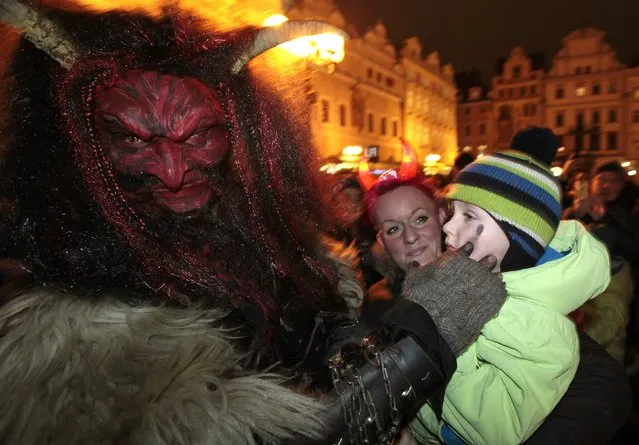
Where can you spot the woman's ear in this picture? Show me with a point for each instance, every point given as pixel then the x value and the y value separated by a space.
pixel 380 239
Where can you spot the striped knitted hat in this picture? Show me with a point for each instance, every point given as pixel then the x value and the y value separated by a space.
pixel 517 188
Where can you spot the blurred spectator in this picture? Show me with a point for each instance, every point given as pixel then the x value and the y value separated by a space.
pixel 610 211
pixel 575 169
pixel 461 161
pixel 355 228
pixel 605 318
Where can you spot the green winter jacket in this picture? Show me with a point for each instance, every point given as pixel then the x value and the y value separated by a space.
pixel 514 374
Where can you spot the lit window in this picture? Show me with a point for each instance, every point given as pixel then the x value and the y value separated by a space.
pixel 612 87
pixel 612 140
pixel 595 117
pixel 325 111
pixel 580 91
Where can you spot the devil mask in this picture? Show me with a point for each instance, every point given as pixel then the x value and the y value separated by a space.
pixel 146 155
pixel 162 133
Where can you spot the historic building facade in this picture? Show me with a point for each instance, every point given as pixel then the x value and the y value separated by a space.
pixel 588 98
pixel 429 102
pixel 375 95
pixel 517 94
pixel 475 123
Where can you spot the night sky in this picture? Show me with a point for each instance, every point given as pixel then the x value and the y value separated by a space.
pixel 474 33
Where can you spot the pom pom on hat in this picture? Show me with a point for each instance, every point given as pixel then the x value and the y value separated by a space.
pixel 540 143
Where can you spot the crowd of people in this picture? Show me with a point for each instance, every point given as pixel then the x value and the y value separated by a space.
pixel 176 270
pixel 509 206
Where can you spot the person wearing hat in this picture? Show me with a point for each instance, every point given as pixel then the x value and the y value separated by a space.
pixel 507 205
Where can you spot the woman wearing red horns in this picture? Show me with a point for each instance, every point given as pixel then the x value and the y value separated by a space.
pixel 599 386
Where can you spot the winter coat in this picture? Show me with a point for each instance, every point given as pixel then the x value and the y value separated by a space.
pixel 510 379
pixel 605 318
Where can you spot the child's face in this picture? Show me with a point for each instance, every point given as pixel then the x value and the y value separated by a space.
pixel 470 223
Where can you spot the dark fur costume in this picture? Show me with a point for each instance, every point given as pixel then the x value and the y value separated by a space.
pixel 257 249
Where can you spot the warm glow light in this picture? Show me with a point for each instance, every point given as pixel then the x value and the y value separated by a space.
pixel 632 172
pixel 581 91
pixel 625 164
pixel 274 20
pixel 353 150
pixel 222 14
pixel 556 171
pixel 560 149
pixel 432 158
pixel 321 48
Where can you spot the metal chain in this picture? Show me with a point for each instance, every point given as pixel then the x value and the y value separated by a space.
pixel 395 416
pixel 337 375
pixel 359 410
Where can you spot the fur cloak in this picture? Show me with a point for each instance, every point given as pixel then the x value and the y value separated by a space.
pixel 75 370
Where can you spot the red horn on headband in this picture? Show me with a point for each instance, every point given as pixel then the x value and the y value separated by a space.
pixel 408 168
pixel 366 179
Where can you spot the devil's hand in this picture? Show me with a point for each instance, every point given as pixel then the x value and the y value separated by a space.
pixel 460 295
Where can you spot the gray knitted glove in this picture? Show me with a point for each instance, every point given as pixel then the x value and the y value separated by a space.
pixel 460 295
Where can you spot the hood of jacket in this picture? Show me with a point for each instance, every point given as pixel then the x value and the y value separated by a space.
pixel 564 284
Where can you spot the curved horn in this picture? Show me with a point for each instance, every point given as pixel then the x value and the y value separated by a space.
pixel 40 31
pixel 271 36
pixel 408 168
pixel 366 179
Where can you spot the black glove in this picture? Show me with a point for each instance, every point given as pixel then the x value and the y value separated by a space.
pixel 460 295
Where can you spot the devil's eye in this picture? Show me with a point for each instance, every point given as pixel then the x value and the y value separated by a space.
pixel 131 139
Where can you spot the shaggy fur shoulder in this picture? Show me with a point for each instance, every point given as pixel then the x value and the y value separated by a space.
pixel 81 371
pixel 345 259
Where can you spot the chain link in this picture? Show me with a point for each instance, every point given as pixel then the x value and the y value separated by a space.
pixel 395 416
pixel 359 411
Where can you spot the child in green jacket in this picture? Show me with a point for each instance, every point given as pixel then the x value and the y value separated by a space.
pixel 509 380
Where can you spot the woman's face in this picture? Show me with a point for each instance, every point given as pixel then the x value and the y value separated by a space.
pixel 409 226
pixel 471 224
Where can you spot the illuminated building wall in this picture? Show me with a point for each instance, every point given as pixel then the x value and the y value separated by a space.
pixel 585 95
pixel 365 100
pixel 429 103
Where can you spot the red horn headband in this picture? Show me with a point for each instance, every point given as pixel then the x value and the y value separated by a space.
pixel 407 170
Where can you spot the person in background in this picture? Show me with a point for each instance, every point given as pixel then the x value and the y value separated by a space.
pixel 611 212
